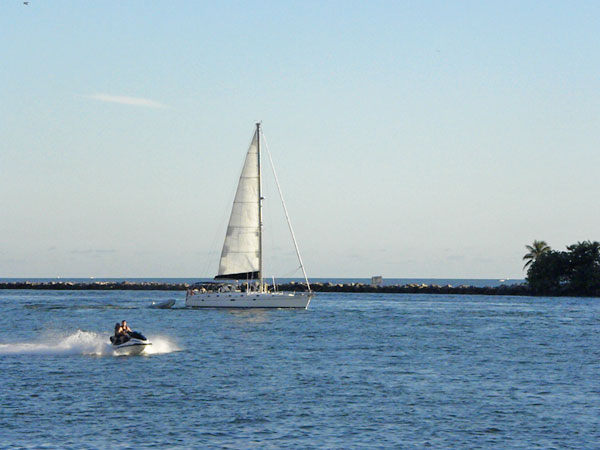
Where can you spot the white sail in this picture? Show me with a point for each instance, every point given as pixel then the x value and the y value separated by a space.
pixel 240 258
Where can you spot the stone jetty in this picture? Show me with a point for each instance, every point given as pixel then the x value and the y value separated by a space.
pixel 515 289
pixel 95 285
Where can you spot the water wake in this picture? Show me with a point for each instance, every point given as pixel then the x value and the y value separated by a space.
pixel 81 343
pixel 160 345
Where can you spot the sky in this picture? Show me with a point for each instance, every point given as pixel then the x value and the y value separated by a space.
pixel 427 139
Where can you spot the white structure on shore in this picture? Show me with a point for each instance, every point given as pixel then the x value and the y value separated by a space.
pixel 377 280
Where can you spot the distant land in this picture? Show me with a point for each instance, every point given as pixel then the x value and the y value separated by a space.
pixel 357 285
pixel 477 282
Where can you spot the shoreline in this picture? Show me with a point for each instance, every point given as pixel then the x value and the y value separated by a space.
pixel 514 289
pixel 521 289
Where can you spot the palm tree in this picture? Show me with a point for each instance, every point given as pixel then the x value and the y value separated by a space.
pixel 534 252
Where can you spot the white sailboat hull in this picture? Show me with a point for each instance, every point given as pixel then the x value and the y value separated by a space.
pixel 249 300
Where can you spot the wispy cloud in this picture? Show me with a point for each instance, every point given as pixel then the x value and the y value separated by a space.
pixel 123 100
pixel 92 252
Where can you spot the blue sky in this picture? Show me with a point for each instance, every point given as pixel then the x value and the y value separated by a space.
pixel 411 139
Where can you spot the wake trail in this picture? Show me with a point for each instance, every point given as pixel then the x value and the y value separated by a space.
pixel 81 343
pixel 161 345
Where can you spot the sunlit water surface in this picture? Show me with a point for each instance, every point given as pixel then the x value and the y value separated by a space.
pixel 353 371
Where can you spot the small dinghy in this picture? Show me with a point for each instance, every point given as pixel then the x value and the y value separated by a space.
pixel 167 304
pixel 132 344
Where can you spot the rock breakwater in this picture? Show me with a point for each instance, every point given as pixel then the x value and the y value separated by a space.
pixel 515 289
pixel 95 285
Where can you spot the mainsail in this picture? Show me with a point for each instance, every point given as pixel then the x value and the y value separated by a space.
pixel 240 257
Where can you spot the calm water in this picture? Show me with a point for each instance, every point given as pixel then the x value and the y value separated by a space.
pixel 354 371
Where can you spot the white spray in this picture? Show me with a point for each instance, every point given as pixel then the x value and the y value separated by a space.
pixel 81 343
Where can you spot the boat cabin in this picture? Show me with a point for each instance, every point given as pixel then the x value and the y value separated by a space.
pixel 224 287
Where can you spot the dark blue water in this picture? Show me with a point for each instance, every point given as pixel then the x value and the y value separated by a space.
pixel 353 371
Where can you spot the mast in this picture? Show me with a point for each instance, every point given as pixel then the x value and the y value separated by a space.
pixel 260 221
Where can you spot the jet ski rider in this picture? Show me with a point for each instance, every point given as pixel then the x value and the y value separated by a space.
pixel 122 331
pixel 125 327
pixel 116 339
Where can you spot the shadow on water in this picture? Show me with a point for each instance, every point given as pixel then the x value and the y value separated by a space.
pixel 42 307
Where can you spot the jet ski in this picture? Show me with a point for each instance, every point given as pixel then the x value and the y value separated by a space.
pixel 131 344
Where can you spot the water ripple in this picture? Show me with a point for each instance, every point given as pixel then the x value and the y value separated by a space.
pixel 376 371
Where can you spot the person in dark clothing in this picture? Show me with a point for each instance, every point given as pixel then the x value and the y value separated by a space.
pixel 115 338
pixel 121 335
pixel 125 327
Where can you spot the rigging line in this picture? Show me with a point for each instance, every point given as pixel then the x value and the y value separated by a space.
pixel 286 212
pixel 270 219
pixel 291 272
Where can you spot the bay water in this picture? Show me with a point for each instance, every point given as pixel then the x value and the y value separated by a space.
pixel 352 371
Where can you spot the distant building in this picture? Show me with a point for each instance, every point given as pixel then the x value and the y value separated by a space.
pixel 377 280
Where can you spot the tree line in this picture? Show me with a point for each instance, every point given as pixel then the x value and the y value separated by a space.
pixel 575 271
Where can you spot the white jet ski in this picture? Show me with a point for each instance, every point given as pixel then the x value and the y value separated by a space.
pixel 132 344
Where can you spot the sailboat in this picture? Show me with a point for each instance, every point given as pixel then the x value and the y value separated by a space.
pixel 242 254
